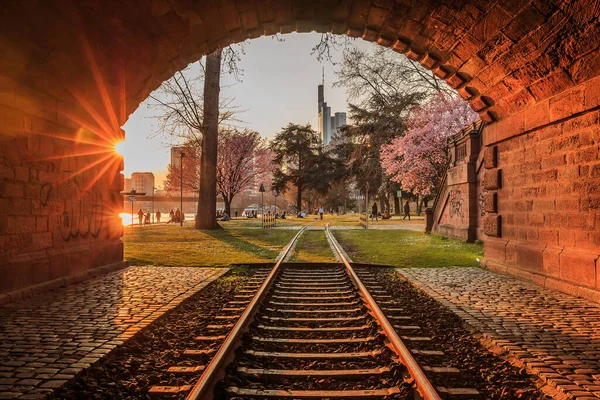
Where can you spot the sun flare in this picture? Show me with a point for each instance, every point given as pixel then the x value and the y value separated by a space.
pixel 120 148
pixel 126 218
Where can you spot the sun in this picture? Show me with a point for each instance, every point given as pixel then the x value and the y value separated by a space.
pixel 120 148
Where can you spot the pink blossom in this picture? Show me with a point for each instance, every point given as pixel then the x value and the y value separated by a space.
pixel 418 159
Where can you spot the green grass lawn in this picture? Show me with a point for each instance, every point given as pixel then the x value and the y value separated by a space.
pixel 257 222
pixel 172 245
pixel 403 248
pixel 312 247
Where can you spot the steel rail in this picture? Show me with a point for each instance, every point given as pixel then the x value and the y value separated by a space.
pixel 203 389
pixel 424 387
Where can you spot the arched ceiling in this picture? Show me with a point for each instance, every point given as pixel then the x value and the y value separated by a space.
pixel 501 56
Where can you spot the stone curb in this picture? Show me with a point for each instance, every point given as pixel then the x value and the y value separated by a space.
pixel 34 290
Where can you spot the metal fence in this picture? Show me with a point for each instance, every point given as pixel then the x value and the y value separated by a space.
pixel 363 220
pixel 268 221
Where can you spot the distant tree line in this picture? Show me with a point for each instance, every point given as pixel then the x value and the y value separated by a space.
pixel 402 116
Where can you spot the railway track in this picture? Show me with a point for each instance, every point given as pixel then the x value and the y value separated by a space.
pixel 313 332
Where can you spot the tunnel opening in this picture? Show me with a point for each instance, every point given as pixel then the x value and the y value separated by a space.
pixel 73 70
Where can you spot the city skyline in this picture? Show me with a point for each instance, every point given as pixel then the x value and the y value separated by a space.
pixel 285 96
pixel 328 125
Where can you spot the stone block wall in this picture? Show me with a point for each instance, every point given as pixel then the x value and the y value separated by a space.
pixel 59 192
pixel 78 69
pixel 457 207
pixel 546 184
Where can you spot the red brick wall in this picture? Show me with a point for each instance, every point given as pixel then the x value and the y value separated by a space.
pixel 58 206
pixel 83 66
pixel 549 194
pixel 456 208
pixel 453 218
pixel 483 206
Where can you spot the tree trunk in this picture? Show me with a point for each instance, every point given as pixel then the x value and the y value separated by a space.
pixel 396 204
pixel 206 218
pixel 227 206
pixel 418 206
pixel 299 199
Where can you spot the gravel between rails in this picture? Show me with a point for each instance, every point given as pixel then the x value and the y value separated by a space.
pixel 129 371
pixel 361 325
pixel 494 377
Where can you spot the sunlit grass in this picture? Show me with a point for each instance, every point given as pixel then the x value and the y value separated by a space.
pixel 257 222
pixel 172 245
pixel 352 220
pixel 313 247
pixel 310 219
pixel 403 248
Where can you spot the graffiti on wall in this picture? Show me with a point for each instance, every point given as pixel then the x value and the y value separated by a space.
pixel 482 202
pixel 82 215
pixel 456 209
pixel 82 209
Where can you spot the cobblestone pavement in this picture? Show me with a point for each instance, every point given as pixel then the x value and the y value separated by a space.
pixel 48 339
pixel 556 335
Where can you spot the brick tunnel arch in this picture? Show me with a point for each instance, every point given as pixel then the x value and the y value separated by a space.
pixel 77 69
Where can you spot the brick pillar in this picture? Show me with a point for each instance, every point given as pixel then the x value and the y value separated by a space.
pixel 475 147
pixel 428 219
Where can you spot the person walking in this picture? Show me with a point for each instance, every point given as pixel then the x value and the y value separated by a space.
pixel 171 216
pixel 321 212
pixel 374 212
pixel 406 211
pixel 141 217
pixel 158 216
pixel 177 215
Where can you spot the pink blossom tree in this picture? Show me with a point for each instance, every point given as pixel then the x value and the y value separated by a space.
pixel 418 160
pixel 243 162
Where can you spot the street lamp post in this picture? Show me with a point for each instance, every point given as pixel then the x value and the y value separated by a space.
pixel 344 194
pixel 132 198
pixel 275 211
pixel 181 188
pixel 262 203
pixel 367 206
pixel 152 216
pixel 262 198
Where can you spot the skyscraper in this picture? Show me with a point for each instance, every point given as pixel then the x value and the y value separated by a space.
pixel 329 125
pixel 325 123
pixel 337 122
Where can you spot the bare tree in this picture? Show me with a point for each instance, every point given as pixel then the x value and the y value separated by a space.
pixel 385 74
pixel 206 217
pixel 328 44
pixel 193 115
pixel 181 100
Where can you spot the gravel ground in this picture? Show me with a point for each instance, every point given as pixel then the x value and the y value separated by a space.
pixel 270 315
pixel 130 370
pixel 494 377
